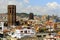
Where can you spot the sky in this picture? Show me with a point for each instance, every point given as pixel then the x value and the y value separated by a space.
pixel 38 7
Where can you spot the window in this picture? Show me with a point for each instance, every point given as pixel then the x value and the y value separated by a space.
pixel 12 33
pixel 10 10
pixel 21 31
pixel 44 35
pixel 28 28
pixel 13 8
pixel 54 39
pixel 1 35
pixel 39 36
pixel 0 27
pixel 25 31
pixel 28 31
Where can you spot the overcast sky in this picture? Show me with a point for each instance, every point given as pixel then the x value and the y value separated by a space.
pixel 38 7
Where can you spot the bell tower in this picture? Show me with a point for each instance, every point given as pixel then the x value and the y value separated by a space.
pixel 11 15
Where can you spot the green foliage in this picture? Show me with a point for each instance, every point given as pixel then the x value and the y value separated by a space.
pixel 42 29
pixel 22 14
pixel 1 38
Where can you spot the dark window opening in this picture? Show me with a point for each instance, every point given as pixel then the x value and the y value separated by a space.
pixel 1 35
pixel 12 33
pixel 5 24
pixel 25 31
pixel 21 31
pixel 44 35
pixel 29 24
pixel 0 27
pixel 10 11
pixel 28 28
pixel 39 36
pixel 25 22
pixel 54 39
pixel 17 23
